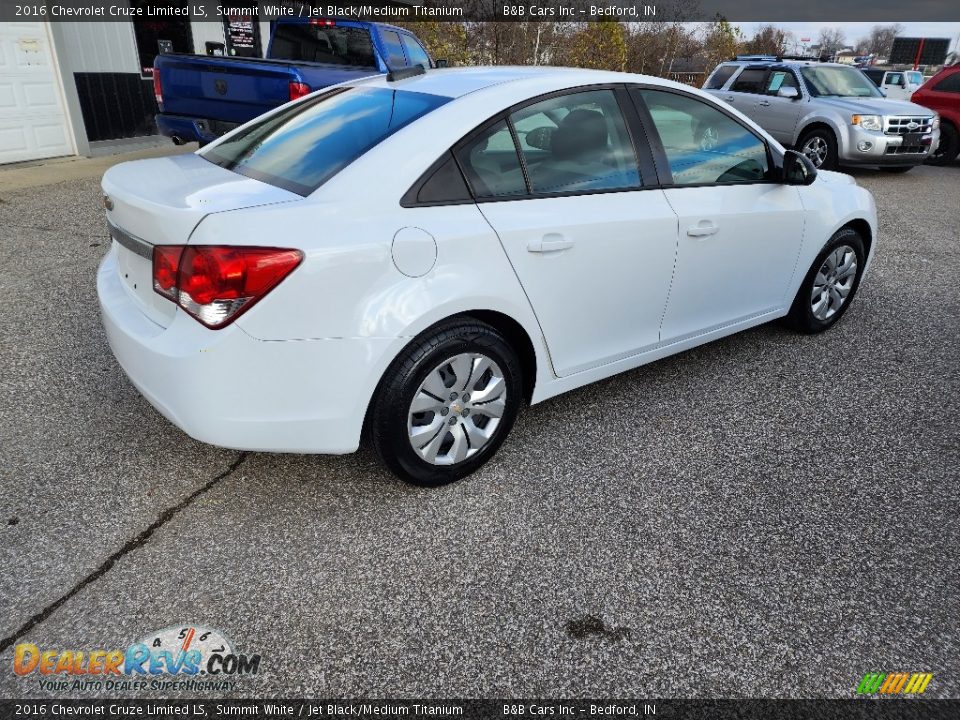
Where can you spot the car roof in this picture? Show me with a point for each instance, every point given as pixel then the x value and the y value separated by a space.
pixel 456 82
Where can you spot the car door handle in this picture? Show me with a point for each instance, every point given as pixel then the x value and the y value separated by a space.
pixel 764 103
pixel 729 98
pixel 551 242
pixel 702 229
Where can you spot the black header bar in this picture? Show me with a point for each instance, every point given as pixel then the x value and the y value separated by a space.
pixel 488 10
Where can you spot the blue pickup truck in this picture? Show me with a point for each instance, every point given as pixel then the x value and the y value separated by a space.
pixel 202 97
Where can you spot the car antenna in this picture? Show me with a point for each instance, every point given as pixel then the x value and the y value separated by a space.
pixel 404 73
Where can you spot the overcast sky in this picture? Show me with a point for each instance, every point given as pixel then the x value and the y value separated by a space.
pixel 856 30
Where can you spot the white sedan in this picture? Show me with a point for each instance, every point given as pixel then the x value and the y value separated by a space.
pixel 415 256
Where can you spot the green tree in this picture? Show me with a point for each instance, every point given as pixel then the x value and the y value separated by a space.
pixel 722 42
pixel 600 45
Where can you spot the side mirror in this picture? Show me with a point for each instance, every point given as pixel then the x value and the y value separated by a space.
pixel 788 92
pixel 798 169
pixel 441 64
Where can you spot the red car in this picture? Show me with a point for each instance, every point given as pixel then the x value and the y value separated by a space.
pixel 942 93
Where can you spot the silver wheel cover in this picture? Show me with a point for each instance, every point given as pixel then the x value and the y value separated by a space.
pixel 833 282
pixel 816 149
pixel 457 409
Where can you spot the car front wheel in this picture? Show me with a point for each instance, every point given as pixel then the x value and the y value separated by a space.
pixel 830 284
pixel 447 403
pixel 820 146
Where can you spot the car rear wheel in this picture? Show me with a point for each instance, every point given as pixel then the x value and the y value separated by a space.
pixel 830 284
pixel 949 146
pixel 820 146
pixel 447 403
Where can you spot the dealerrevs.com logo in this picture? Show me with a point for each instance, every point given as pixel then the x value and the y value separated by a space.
pixel 898 683
pixel 186 657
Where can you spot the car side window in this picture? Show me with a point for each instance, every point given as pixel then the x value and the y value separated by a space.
pixel 576 142
pixel 416 53
pixel 703 145
pixel 781 79
pixel 720 76
pixel 951 84
pixel 491 163
pixel 750 81
pixel 395 57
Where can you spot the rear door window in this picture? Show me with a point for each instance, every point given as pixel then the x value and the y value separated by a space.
pixel 720 77
pixel 750 81
pixel 334 44
pixel 576 143
pixel 305 144
pixel 395 56
pixel 491 164
pixel 780 79
pixel 415 52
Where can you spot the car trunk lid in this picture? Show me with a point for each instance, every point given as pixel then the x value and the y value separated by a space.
pixel 159 202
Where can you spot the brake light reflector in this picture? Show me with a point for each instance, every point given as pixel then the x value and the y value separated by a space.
pixel 298 90
pixel 323 23
pixel 166 261
pixel 157 89
pixel 217 283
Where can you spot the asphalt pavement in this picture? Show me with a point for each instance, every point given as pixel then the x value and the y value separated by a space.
pixel 771 515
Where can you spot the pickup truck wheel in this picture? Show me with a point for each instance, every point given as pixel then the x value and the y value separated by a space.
pixel 446 403
pixel 820 146
pixel 949 146
pixel 898 169
pixel 830 283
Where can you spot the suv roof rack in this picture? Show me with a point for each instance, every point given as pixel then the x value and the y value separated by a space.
pixel 775 58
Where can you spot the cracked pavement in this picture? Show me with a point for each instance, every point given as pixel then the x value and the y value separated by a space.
pixel 771 515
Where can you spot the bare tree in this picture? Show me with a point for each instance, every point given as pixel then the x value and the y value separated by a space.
pixel 768 40
pixel 880 40
pixel 832 40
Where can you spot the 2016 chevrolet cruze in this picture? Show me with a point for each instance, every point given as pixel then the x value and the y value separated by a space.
pixel 417 256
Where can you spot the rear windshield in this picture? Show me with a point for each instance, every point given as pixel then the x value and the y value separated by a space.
pixel 334 44
pixel 302 146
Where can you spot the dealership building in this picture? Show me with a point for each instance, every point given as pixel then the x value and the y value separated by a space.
pixel 86 87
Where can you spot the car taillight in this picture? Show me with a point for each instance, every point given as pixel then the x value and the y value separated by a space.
pixel 157 88
pixel 166 261
pixel 218 283
pixel 298 90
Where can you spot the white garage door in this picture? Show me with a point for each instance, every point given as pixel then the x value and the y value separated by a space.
pixel 33 123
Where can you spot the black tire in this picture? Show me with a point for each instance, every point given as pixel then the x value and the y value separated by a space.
pixel 830 160
pixel 391 405
pixel 801 316
pixel 949 147
pixel 897 169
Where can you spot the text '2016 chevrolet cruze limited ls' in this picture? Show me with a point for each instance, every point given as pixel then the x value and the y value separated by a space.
pixel 415 257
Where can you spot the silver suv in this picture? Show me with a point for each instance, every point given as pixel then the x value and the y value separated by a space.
pixel 832 113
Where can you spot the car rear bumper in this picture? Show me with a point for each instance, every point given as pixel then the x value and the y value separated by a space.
pixel 192 129
pixel 882 149
pixel 227 388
